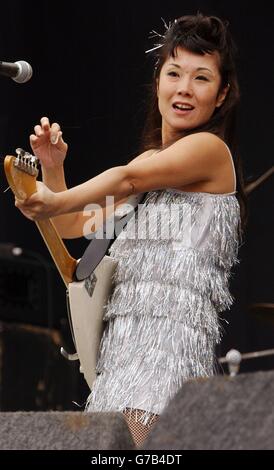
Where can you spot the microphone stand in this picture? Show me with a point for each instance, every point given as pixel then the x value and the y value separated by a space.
pixel 254 184
pixel 234 358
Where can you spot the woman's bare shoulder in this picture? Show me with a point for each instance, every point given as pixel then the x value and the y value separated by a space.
pixel 209 142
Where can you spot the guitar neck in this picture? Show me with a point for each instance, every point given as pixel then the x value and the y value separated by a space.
pixel 21 176
pixel 65 264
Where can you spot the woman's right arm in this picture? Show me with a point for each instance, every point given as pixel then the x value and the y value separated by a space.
pixel 48 145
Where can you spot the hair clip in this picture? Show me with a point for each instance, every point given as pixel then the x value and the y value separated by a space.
pixel 154 34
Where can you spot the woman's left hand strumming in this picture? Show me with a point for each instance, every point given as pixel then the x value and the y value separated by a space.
pixel 41 205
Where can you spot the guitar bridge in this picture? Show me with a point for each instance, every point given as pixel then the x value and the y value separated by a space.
pixel 26 162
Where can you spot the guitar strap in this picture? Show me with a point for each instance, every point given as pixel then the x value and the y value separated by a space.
pixel 98 247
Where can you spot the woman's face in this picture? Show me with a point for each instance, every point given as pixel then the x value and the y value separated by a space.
pixel 188 91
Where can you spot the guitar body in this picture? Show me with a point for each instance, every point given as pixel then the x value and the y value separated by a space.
pixel 87 315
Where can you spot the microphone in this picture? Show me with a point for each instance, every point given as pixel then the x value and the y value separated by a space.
pixel 19 71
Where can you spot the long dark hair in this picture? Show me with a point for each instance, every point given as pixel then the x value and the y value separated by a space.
pixel 201 34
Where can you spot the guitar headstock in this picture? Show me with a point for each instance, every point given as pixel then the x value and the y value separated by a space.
pixel 21 173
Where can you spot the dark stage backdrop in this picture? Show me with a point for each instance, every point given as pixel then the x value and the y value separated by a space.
pixel 91 75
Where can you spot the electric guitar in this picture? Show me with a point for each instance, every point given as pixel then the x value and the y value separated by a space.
pixel 86 298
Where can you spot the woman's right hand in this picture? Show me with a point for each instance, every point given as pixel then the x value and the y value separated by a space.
pixel 47 144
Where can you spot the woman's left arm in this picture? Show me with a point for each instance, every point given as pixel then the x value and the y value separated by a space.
pixel 197 157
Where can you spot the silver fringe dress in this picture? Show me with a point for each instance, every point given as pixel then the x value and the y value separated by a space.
pixel 171 282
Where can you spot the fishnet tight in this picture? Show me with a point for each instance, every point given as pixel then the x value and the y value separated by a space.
pixel 139 431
